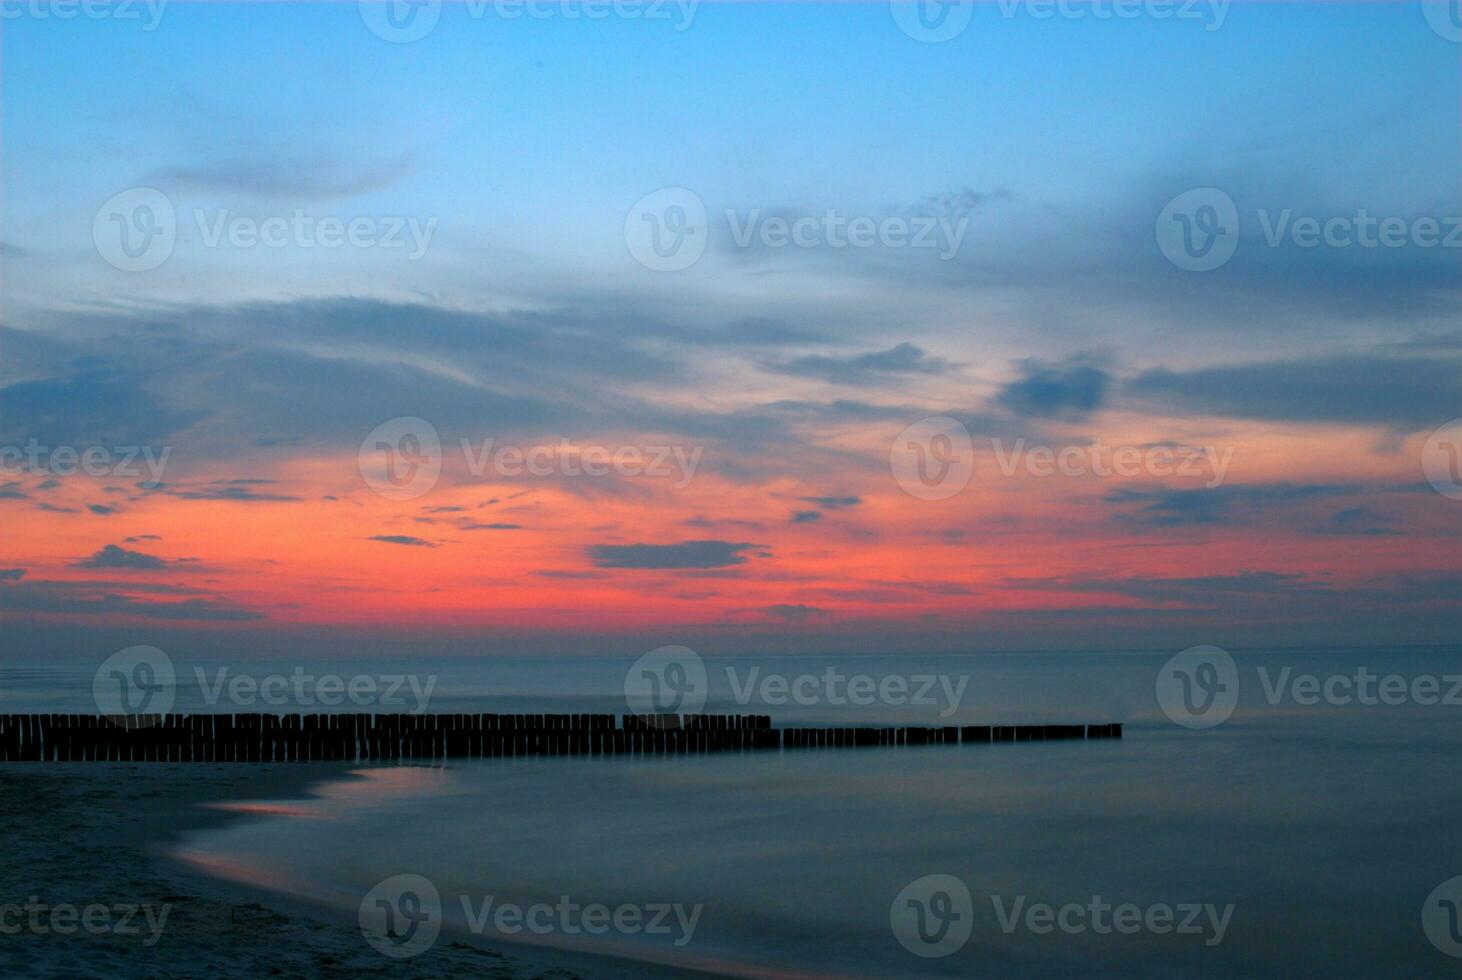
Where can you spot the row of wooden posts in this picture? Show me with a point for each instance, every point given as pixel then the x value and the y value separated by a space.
pixel 370 737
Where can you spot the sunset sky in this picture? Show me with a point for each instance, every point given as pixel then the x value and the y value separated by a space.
pixel 519 150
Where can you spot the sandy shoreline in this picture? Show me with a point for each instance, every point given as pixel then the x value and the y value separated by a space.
pixel 91 891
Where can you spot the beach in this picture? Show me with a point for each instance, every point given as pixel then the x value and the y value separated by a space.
pixel 97 836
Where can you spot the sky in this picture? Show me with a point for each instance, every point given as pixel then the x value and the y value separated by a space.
pixel 867 339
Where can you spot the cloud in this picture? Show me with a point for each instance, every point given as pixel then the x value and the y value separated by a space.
pixel 11 574
pixel 862 368
pixel 1073 389
pixel 1220 505
pixel 239 491
pixel 101 510
pixel 1406 393
pixel 97 599
pixel 687 554
pixel 87 408
pixel 405 539
pixel 833 503
pixel 275 171
pixel 12 491
pixel 806 516
pixel 112 556
pixel 798 613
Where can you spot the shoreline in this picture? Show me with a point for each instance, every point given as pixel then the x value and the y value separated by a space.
pixel 104 834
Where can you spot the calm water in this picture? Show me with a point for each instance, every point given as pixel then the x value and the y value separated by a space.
pixel 1325 827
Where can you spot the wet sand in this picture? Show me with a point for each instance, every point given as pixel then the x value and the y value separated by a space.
pixel 96 838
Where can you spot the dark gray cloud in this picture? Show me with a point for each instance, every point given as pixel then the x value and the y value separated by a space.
pixel 11 574
pixel 1068 390
pixel 98 599
pixel 92 407
pixel 806 516
pixel 854 369
pixel 1228 504
pixel 1406 393
pixel 833 503
pixel 686 554
pixel 405 539
pixel 795 613
pixel 113 556
pixel 102 510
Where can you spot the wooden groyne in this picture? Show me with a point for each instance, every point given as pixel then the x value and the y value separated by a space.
pixel 382 737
